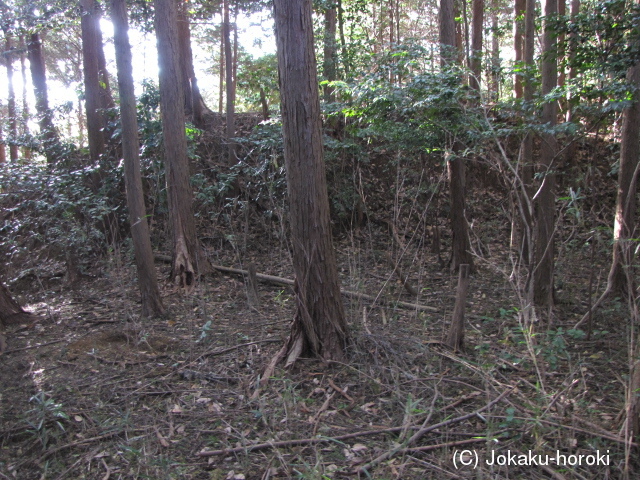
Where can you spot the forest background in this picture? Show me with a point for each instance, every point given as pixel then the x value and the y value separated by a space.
pixel 438 198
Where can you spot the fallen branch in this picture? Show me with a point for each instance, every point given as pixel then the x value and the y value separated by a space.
pixel 222 351
pixel 296 442
pixel 347 293
pixel 31 347
pixel 316 440
pixel 288 282
pixel 423 431
pixel 53 451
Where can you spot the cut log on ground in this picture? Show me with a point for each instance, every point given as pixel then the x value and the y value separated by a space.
pixel 274 280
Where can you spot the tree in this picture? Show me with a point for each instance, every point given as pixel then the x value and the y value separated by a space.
pixel 624 230
pixel 39 80
pixel 194 103
pixel 258 81
pixel 24 118
pixel 3 151
pixel 221 70
pixel 188 258
pixel 230 82
pixel 573 71
pixel 476 44
pixel 460 250
pixel 495 52
pixel 524 87
pixel 319 327
pixel 518 45
pixel 93 96
pixel 11 98
pixel 544 201
pixel 147 277
pixel 330 51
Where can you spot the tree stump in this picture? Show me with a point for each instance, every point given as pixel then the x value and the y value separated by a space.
pixel 10 311
pixel 253 297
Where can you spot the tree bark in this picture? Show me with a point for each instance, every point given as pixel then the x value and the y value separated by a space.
pixel 10 312
pixel 460 249
pixel 319 327
pixel 447 32
pixel 561 46
pixel 523 218
pixel 518 45
pixel 544 202
pixel 93 98
pixel 329 59
pixel 264 104
pixel 495 53
pixel 222 72
pixel 3 151
pixel 573 72
pixel 188 258
pixel 455 338
pixel 194 103
pixel 231 120
pixel 343 42
pixel 11 100
pixel 24 117
pixel 624 229
pixel 106 98
pixel 476 44
pixel 39 81
pixel 147 277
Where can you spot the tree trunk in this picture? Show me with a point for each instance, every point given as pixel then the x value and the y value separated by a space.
pixel 264 104
pixel 464 33
pixel 235 55
pixel 495 53
pixel 544 204
pixel 343 42
pixel 522 223
pixel 624 229
pixel 106 98
pixel 24 117
pixel 455 338
pixel 147 277
pixel 93 98
pixel 571 102
pixel 561 47
pixel 448 52
pixel 231 120
pixel 11 100
pixel 222 72
pixel 3 151
pixel 460 249
pixel 329 60
pixel 194 103
pixel 39 81
pixel 319 327
pixel 518 45
pixel 188 259
pixel 476 44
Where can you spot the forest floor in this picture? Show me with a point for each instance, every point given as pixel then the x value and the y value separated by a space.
pixel 91 392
